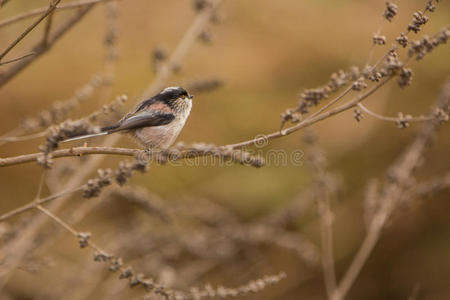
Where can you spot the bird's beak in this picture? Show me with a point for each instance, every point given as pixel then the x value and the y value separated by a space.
pixel 191 97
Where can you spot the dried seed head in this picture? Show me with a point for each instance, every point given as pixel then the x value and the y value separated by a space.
pixel 419 19
pixel 357 114
pixel 83 239
pixel 403 121
pixel 402 40
pixel 441 115
pixel 206 37
pixel 126 273
pixel 379 39
pixel 430 6
pixel 391 11
pixel 115 264
pixel 405 79
pixel 359 84
pixel 100 256
pixel 94 186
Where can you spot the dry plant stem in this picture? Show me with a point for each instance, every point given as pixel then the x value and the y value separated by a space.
pixel 317 162
pixel 132 152
pixel 40 48
pixel 33 204
pixel 391 119
pixel 50 9
pixel 41 10
pixel 47 29
pixel 329 104
pixel 326 233
pixel 309 122
pixel 16 59
pixel 23 137
pixel 23 242
pixel 392 192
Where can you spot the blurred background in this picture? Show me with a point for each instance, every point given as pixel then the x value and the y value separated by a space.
pixel 265 53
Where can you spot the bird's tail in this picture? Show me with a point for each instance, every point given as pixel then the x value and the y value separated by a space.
pixel 104 131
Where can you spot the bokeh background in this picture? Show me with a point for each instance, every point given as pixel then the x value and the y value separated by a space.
pixel 265 52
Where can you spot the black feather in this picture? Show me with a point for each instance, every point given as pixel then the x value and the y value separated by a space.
pixel 167 96
pixel 145 118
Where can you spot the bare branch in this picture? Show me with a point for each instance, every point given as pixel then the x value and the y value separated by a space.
pixel 40 48
pixel 390 195
pixel 50 9
pixel 38 11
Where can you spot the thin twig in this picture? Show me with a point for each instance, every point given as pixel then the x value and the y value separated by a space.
pixel 309 122
pixel 317 163
pixel 48 26
pixel 23 137
pixel 39 49
pixel 50 9
pixel 23 242
pixel 391 119
pixel 16 59
pixel 394 187
pixel 38 11
pixel 31 205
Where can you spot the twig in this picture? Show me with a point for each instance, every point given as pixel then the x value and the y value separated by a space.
pixel 23 242
pixel 16 59
pixel 391 119
pixel 32 205
pixel 47 29
pixel 23 137
pixel 309 122
pixel 40 49
pixel 322 195
pixel 390 195
pixel 50 9
pixel 38 11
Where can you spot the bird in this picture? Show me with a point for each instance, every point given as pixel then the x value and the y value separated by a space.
pixel 156 122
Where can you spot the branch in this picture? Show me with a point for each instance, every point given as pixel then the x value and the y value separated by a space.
pixel 16 59
pixel 311 121
pixel 50 9
pixel 17 247
pixel 41 10
pixel 396 183
pixel 41 48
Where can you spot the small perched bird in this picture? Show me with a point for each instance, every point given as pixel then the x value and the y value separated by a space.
pixel 156 122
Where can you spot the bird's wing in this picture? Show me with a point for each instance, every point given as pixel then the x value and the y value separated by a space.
pixel 144 118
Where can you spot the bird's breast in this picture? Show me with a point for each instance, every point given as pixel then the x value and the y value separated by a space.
pixel 161 137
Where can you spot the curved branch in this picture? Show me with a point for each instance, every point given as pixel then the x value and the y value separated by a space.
pixel 78 151
pixel 392 119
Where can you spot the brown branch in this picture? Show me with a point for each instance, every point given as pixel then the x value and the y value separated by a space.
pixel 33 204
pixel 22 242
pixel 50 9
pixel 396 183
pixel 38 11
pixel 16 59
pixel 309 122
pixel 322 188
pixel 40 48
